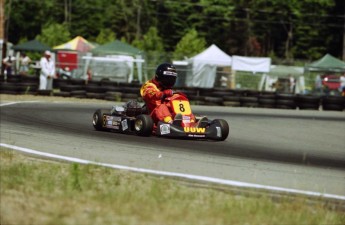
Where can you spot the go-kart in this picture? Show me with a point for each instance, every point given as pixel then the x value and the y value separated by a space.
pixel 133 118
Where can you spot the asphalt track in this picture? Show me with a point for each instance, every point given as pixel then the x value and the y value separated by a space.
pixel 303 150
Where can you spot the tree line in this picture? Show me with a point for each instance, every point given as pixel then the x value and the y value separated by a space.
pixel 280 29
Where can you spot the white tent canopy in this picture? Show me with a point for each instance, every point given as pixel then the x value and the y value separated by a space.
pixel 115 67
pixel 251 64
pixel 205 67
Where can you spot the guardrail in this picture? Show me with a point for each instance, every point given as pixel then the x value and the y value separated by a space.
pixel 117 91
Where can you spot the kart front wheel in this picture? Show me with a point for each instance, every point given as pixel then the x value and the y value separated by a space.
pixel 143 125
pixel 224 128
pixel 97 119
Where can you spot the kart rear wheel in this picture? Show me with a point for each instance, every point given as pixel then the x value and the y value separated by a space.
pixel 224 126
pixel 143 125
pixel 97 119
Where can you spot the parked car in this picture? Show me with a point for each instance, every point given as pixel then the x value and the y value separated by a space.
pixel 331 81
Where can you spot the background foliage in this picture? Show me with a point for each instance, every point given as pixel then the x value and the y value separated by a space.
pixel 302 29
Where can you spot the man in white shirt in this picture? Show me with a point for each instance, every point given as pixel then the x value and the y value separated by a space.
pixel 24 61
pixel 47 72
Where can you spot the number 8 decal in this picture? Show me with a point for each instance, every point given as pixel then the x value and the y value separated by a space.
pixel 182 109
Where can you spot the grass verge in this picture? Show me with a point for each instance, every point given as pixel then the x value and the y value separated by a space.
pixel 35 191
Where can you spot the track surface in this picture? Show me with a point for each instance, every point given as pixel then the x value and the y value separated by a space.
pixel 302 150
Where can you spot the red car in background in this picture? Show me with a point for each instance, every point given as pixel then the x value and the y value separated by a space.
pixel 331 81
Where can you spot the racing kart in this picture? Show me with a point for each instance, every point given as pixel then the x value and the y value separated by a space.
pixel 134 118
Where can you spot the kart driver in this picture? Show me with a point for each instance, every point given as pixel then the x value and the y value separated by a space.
pixel 157 89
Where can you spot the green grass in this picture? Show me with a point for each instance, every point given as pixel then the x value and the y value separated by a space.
pixel 35 191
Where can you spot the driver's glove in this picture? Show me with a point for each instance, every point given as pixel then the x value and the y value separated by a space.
pixel 168 93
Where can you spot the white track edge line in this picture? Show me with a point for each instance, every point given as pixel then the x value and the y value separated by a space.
pixel 180 175
pixel 13 103
pixel 8 103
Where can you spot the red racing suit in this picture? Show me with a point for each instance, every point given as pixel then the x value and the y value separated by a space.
pixel 152 93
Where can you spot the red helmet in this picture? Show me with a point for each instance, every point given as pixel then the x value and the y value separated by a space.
pixel 166 75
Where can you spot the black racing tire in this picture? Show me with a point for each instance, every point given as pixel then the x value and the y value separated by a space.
pixel 130 96
pixel 93 89
pixel 279 106
pixel 224 126
pixel 308 99
pixel 249 100
pixel 131 90
pixel 250 104
pixel 143 125
pixel 251 93
pixel 267 106
pixel 8 92
pixel 212 103
pixel 9 87
pixel 222 93
pixel 282 96
pixel 97 119
pixel 267 96
pixel 267 101
pixel 216 100
pixel 308 106
pixel 61 82
pixel 95 95
pixel 107 82
pixel 332 107
pixel 94 82
pixel 231 104
pixel 14 79
pixel 30 79
pixel 71 88
pixel 339 100
pixel 113 93
pixel 78 93
pixel 290 104
pixel 231 98
pixel 77 81
pixel 111 89
pixel 205 91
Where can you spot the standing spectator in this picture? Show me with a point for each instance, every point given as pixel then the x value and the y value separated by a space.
pixel 47 72
pixel 24 61
pixel 292 83
pixel 223 81
pixel 8 62
pixel 318 84
pixel 342 84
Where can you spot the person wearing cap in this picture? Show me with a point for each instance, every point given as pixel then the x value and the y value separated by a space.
pixel 47 72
